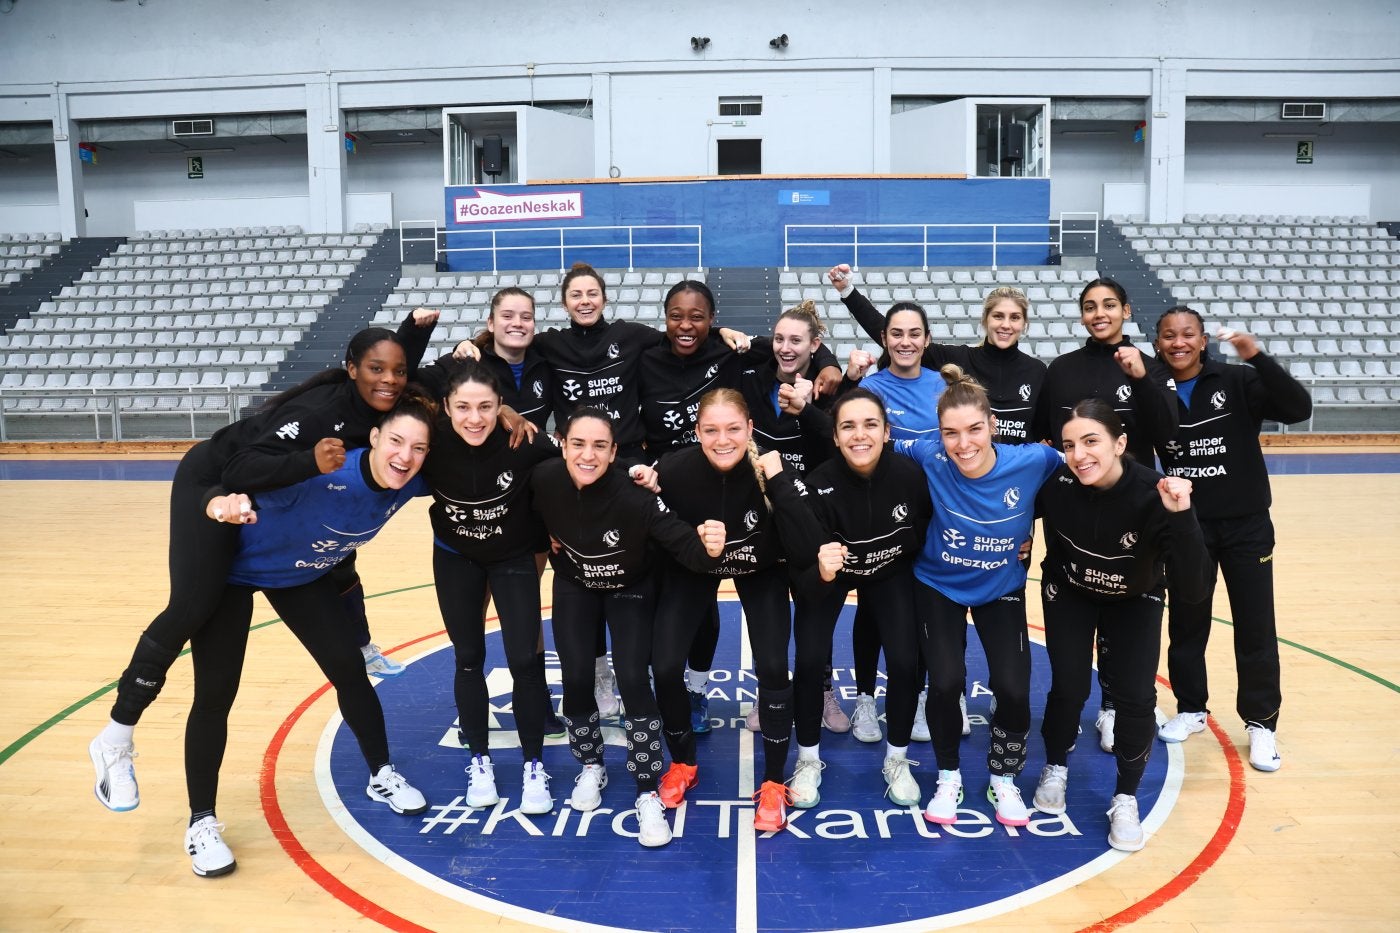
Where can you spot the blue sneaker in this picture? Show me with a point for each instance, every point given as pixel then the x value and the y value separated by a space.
pixel 699 712
pixel 377 664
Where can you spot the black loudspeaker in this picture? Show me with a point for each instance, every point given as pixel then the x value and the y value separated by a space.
pixel 1014 141
pixel 492 156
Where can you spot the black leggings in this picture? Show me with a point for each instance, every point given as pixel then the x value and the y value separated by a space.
pixel 817 614
pixel 1242 548
pixel 313 614
pixel 461 590
pixel 629 615
pixel 201 553
pixel 686 604
pixel 1129 634
pixel 1001 627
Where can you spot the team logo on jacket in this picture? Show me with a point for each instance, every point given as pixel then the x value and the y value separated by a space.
pixel 1012 497
pixel 324 545
pixel 901 512
pixel 710 373
pixel 750 519
pixel 953 538
pixel 612 537
pixel 572 390
pixel 1051 591
pixel 673 419
pixel 505 479
pixel 1217 399
pixel 339 426
pixel 1124 393
pixel 538 388
pixel 1174 448
pixel 289 431
pixel 1128 540
pixel 614 351
pixel 455 513
pixel 1024 392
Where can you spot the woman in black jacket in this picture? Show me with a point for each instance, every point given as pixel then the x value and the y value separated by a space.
pixel 1217 447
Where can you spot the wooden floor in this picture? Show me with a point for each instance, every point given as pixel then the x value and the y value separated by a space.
pixel 82 570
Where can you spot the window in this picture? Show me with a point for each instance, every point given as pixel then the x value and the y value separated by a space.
pixel 739 156
pixel 741 106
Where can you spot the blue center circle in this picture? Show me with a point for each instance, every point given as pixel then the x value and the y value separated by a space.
pixel 854 861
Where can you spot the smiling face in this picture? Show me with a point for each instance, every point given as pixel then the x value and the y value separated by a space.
pixel 584 300
pixel 380 375
pixel 1180 342
pixel 1093 454
pixel 397 449
pixel 861 434
pixel 724 431
pixel 688 320
pixel 588 450
pixel 967 437
pixel 472 408
pixel 512 326
pixel 1004 324
pixel 1103 313
pixel 905 339
pixel 793 345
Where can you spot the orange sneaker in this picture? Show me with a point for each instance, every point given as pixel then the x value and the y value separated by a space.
pixel 675 782
pixel 770 814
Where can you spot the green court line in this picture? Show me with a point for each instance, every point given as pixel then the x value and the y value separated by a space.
pixel 14 747
pixel 10 750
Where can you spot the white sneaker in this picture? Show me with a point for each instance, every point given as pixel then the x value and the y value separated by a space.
pixel 377 664
pixel 920 731
pixel 481 783
pixel 116 777
pixel 1105 726
pixel 834 718
pixel 605 694
pixel 1003 793
pixel 1181 727
pixel 652 828
pixel 751 722
pixel 1263 749
pixel 962 708
pixel 943 807
pixel 865 724
pixel 388 786
pixel 210 857
pixel 1050 792
pixel 805 781
pixel 588 788
pixel 901 787
pixel 1124 827
pixel 534 795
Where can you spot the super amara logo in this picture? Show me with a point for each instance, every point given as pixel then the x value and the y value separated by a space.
pixel 723 819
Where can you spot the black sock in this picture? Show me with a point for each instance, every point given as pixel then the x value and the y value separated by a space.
pixel 196 817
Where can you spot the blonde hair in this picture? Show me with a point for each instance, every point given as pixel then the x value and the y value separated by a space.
pixel 962 390
pixel 807 313
pixel 735 399
pixel 1004 293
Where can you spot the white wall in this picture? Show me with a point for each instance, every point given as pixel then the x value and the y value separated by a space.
pixel 411 174
pixel 938 139
pixel 557 145
pixel 1343 154
pixel 1081 165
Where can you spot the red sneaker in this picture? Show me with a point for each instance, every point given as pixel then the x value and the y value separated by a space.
pixel 675 782
pixel 770 814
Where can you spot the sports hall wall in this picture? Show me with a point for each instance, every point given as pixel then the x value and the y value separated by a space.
pixel 628 66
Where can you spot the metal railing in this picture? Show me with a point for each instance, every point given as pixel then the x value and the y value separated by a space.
pixel 112 411
pixel 561 241
pixel 999 237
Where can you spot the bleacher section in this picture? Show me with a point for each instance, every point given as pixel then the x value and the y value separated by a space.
pixel 178 331
pixel 1319 293
pixel 20 252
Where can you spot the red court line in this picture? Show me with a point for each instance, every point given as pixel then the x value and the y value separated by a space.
pixel 277 820
pixel 1229 824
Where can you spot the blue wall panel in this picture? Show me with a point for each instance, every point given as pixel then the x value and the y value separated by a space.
pixel 743 221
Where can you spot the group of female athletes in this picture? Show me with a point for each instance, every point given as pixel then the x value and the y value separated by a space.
pixel 686 457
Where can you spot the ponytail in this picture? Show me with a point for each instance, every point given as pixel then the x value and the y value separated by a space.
pixel 962 390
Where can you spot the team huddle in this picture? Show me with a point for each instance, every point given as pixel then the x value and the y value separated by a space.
pixel 684 458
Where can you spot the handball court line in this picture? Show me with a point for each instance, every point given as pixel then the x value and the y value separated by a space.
pixel 745 862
